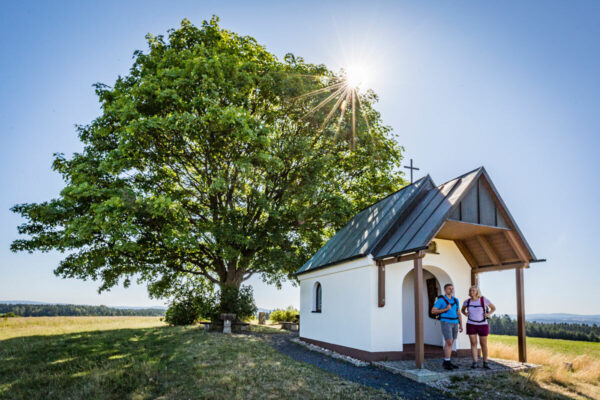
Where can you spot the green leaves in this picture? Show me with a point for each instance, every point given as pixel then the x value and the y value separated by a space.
pixel 204 165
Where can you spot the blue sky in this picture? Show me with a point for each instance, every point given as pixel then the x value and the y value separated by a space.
pixel 511 86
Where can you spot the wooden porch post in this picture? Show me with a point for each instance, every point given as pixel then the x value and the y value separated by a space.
pixel 380 284
pixel 419 337
pixel 474 278
pixel 521 315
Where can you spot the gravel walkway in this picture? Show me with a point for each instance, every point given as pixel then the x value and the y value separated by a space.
pixel 369 376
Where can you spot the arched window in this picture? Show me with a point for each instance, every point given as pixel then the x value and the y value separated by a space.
pixel 318 296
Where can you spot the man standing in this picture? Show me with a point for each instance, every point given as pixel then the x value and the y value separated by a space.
pixel 446 307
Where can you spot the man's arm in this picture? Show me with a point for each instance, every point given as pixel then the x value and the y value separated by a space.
pixel 436 310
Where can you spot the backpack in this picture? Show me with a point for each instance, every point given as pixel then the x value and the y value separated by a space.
pixel 482 305
pixel 455 302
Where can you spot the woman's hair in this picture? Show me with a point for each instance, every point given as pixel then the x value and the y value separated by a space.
pixel 476 288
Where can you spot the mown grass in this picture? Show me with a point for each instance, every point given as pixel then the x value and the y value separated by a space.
pixel 569 368
pixel 141 358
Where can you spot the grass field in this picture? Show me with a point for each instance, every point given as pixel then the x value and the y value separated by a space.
pixel 569 367
pixel 141 358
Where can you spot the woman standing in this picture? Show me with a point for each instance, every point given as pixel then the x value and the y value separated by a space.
pixel 478 309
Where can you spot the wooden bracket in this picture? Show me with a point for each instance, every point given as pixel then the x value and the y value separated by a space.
pixel 514 243
pixel 489 251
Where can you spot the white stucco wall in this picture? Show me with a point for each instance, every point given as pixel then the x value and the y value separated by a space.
pixel 346 307
pixel 350 315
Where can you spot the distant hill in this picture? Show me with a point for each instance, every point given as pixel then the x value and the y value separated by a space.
pixel 118 307
pixel 563 318
pixel 35 309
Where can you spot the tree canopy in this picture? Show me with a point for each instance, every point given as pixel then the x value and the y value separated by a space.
pixel 209 161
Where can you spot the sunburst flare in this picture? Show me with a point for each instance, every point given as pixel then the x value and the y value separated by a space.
pixel 344 93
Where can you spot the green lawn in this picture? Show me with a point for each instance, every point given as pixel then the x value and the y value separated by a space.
pixel 153 362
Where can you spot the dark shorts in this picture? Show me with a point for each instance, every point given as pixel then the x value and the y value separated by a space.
pixel 481 330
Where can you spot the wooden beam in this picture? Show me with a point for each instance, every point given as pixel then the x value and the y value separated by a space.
pixel 404 257
pixel 419 329
pixel 516 246
pixel 521 333
pixel 464 249
pixel 502 267
pixel 489 251
pixel 380 284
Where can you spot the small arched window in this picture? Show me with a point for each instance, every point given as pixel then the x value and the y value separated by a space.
pixel 318 296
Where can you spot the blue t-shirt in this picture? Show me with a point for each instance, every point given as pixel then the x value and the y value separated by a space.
pixel 451 315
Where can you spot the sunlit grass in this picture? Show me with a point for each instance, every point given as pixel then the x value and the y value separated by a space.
pixel 30 326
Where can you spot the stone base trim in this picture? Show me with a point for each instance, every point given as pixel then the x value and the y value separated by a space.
pixel 430 352
pixel 330 353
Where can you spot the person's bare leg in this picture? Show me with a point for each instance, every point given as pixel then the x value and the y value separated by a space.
pixel 473 339
pixel 448 348
pixel 484 349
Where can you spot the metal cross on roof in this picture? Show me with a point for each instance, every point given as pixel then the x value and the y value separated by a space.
pixel 411 170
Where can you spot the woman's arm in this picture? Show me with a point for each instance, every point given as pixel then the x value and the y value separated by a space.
pixel 464 310
pixel 492 310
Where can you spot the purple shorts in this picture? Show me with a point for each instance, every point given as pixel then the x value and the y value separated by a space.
pixel 481 330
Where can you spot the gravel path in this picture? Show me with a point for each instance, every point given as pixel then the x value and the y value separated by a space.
pixel 369 376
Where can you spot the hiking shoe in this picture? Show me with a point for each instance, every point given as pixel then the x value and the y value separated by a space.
pixel 454 366
pixel 447 365
pixel 474 365
pixel 485 365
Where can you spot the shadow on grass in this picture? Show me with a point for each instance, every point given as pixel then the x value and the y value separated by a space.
pixel 107 364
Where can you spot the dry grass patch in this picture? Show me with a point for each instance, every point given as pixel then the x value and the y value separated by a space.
pixel 568 367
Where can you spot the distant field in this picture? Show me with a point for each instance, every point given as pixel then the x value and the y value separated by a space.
pixel 570 368
pixel 142 358
pixel 567 347
pixel 30 326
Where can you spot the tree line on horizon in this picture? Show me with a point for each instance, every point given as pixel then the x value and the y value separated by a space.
pixel 72 310
pixel 505 325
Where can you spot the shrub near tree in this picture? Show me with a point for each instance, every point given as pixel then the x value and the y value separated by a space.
pixel 208 163
pixel 194 302
pixel 290 314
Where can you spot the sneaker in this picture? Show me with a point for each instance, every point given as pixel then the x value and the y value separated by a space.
pixel 485 365
pixel 447 365
pixel 454 366
pixel 474 365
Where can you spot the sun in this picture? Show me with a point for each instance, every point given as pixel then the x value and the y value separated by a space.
pixel 356 76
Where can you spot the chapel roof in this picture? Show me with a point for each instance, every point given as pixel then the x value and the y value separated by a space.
pixel 467 209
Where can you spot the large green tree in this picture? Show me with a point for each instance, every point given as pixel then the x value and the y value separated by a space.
pixel 207 161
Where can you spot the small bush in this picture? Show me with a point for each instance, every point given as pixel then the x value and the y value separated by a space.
pixel 183 312
pixel 288 315
pixel 8 315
